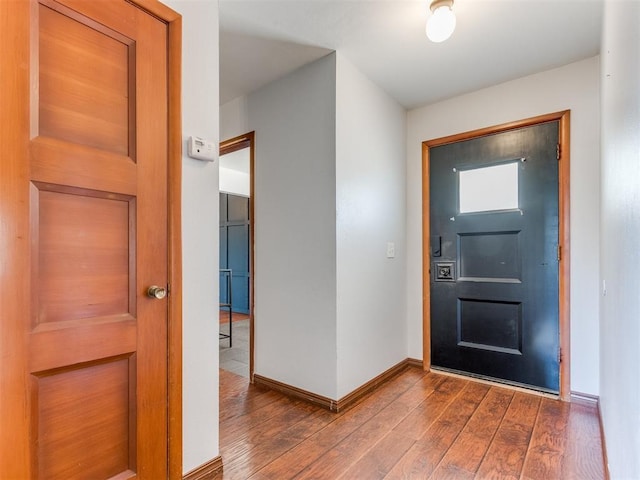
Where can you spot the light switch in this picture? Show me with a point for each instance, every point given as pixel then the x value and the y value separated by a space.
pixel 391 250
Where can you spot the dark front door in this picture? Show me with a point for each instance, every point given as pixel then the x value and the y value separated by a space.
pixel 494 256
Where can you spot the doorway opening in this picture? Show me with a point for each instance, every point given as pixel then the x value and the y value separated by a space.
pixel 446 249
pixel 236 255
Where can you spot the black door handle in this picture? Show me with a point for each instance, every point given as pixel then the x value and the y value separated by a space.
pixel 436 246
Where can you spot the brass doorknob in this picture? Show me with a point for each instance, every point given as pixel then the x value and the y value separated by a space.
pixel 156 292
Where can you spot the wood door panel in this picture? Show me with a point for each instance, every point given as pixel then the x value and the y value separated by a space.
pixel 64 55
pixel 84 418
pixel 58 162
pixel 83 250
pixel 81 341
pixel 84 83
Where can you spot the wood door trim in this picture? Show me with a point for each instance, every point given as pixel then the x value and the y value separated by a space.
pixel 161 12
pixel 565 255
pixel 14 238
pixel 231 145
pixel 563 119
pixel 175 241
pixel 174 196
pixel 235 144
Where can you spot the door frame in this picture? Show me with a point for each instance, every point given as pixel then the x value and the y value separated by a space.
pixel 15 250
pixel 247 140
pixel 174 197
pixel 563 118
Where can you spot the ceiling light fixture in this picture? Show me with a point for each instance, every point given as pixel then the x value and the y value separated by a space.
pixel 442 22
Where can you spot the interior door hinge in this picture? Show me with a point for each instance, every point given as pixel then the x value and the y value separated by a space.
pixel 559 252
pixel 559 355
pixel 558 151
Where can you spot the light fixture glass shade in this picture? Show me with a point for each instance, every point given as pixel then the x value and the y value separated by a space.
pixel 441 24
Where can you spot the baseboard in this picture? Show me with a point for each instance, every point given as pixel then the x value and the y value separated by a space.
pixel 371 385
pixel 414 362
pixel 590 401
pixel 605 457
pixel 205 471
pixel 295 392
pixel 584 398
pixel 346 401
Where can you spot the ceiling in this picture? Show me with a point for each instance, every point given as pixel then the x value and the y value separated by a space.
pixel 494 41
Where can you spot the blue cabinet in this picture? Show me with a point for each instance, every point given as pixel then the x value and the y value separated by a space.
pixel 234 249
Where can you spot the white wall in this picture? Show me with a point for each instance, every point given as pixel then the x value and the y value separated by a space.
pixel 234 118
pixel 234 172
pixel 232 181
pixel 234 121
pixel 370 197
pixel 620 238
pixel 575 87
pixel 295 266
pixel 199 234
pixel 330 181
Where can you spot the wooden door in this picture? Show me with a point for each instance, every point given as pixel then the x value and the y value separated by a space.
pixel 494 257
pixel 91 143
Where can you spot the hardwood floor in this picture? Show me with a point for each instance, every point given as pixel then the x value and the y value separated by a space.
pixel 415 426
pixel 237 317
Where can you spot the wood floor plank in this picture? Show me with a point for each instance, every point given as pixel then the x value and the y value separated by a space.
pixel 417 422
pixel 505 457
pixel 257 453
pixel 304 454
pixel 247 423
pixel 547 446
pixel 239 397
pixel 424 456
pixel 417 425
pixel 357 444
pixel 451 472
pixel 257 432
pixel 468 450
pixel 380 459
pixel 582 459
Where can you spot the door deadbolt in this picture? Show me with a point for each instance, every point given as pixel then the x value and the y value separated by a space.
pixel 156 292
